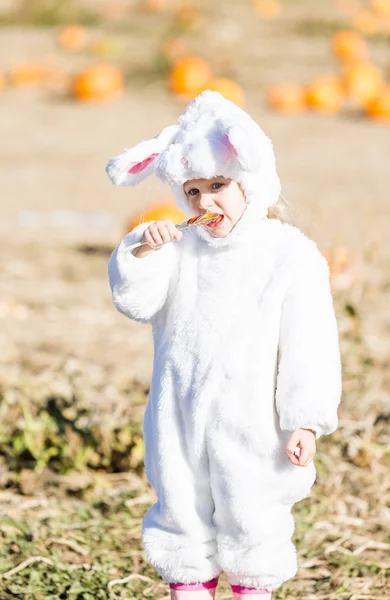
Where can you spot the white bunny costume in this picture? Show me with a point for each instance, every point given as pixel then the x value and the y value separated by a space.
pixel 246 351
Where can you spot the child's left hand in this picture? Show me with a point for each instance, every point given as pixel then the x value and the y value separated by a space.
pixel 305 440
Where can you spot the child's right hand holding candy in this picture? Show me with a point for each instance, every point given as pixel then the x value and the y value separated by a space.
pixel 156 235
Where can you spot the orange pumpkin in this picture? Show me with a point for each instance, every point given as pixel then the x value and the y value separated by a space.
pixel 381 7
pixel 229 89
pixel 156 212
pixel 267 9
pixel 29 74
pixel 366 22
pixel 190 75
pixel 325 94
pixel 341 257
pixel 345 267
pixel 349 45
pixel 98 83
pixel 379 108
pixel 288 97
pixel 363 82
pixel 73 37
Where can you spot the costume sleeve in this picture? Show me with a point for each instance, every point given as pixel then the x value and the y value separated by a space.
pixel 140 285
pixel 309 375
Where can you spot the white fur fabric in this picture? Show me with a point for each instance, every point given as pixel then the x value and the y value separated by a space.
pixel 118 167
pixel 246 351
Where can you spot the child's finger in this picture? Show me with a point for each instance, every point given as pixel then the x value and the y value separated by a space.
pixel 173 231
pixel 177 234
pixel 304 457
pixel 292 443
pixel 294 459
pixel 155 234
pixel 149 237
pixel 164 232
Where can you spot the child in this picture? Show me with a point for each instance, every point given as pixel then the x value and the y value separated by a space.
pixel 246 365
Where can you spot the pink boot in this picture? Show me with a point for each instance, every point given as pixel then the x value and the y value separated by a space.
pixel 194 591
pixel 241 593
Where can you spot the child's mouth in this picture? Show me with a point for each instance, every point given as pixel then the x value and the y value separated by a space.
pixel 216 223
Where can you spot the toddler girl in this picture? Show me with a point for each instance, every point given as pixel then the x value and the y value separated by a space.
pixel 246 360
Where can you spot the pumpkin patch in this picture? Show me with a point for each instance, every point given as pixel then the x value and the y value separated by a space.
pixel 325 94
pixel 98 83
pixel 349 45
pixel 73 37
pixel 190 76
pixel 229 89
pixel 379 108
pixel 363 82
pixel 288 97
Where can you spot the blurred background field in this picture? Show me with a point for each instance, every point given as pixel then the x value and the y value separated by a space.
pixel 81 80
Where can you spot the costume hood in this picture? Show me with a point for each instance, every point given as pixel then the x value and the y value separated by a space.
pixel 213 137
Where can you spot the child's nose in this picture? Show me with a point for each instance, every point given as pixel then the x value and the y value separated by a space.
pixel 206 201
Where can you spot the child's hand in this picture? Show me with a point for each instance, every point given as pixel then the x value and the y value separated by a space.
pixel 156 235
pixel 305 440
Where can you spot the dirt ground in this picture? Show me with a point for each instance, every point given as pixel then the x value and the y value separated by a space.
pixel 60 217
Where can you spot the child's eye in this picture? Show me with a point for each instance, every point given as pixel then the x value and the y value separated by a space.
pixel 219 185
pixel 193 192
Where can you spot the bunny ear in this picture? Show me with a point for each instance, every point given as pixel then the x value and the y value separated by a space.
pixel 137 163
pixel 243 145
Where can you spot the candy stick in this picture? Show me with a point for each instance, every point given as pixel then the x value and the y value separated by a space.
pixel 200 220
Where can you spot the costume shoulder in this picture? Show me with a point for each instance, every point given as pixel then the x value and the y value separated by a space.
pixel 301 253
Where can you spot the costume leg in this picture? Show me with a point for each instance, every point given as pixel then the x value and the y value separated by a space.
pixel 254 489
pixel 179 537
pixel 178 531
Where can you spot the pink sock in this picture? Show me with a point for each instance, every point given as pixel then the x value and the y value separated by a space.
pixel 207 585
pixel 240 589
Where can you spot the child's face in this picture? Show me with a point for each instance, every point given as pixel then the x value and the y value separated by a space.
pixel 218 195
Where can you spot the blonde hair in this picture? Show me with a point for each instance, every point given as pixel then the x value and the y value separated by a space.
pixel 280 211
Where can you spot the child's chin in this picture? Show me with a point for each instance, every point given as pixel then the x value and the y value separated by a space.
pixel 220 233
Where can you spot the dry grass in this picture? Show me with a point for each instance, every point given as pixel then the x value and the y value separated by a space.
pixel 50 13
